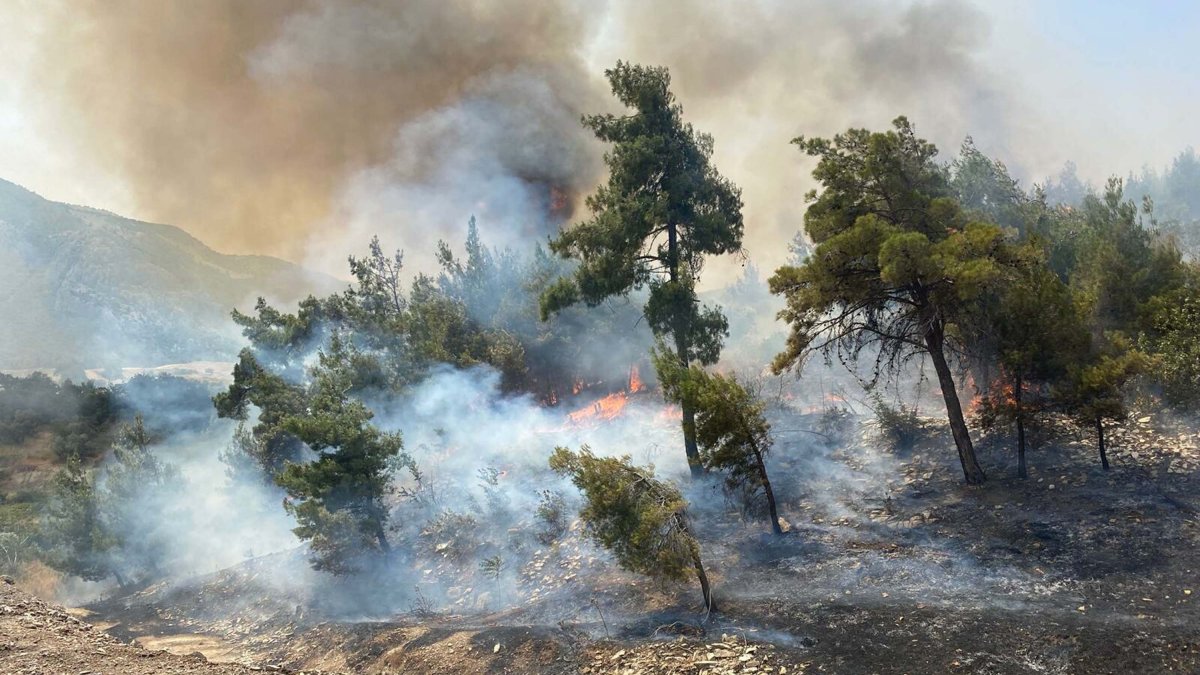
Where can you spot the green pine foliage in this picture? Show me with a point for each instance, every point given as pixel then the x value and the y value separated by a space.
pixel 1036 334
pixel 338 498
pixel 1096 388
pixel 80 416
pixel 898 264
pixel 731 429
pixel 113 521
pixel 1173 335
pixel 78 541
pixel 640 519
pixel 137 493
pixel 663 210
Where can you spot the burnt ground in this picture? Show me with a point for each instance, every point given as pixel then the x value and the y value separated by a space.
pixel 891 565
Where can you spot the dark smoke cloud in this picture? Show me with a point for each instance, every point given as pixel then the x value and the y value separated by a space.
pixel 243 120
pixel 301 128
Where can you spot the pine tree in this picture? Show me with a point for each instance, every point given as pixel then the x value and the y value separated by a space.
pixel 138 493
pixel 1095 391
pixel 78 542
pixel 731 430
pixel 663 209
pixel 1173 335
pixel 1036 334
pixel 338 498
pixel 897 262
pixel 641 519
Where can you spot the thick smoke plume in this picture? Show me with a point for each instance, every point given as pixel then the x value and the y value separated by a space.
pixel 300 129
pixel 247 122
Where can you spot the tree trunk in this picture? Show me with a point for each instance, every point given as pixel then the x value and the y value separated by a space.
pixel 1022 470
pixel 1100 436
pixel 689 438
pixel 962 438
pixel 766 482
pixel 683 351
pixel 381 537
pixel 710 605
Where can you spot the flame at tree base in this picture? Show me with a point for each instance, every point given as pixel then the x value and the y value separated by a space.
pixel 610 406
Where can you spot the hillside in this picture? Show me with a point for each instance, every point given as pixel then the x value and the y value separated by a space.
pixel 891 566
pixel 83 288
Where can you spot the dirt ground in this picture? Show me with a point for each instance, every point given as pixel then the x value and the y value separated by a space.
pixel 893 567
pixel 37 638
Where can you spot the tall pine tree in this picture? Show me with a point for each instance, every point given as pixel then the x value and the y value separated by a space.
pixel 664 208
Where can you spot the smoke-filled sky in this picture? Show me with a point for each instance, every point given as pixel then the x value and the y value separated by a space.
pixel 299 128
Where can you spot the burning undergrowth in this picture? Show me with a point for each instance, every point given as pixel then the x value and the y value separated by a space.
pixel 475 512
pixel 884 545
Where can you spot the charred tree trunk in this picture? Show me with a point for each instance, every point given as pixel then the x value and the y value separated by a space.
pixel 934 343
pixel 1022 470
pixel 1100 437
pixel 381 537
pixel 766 483
pixel 710 605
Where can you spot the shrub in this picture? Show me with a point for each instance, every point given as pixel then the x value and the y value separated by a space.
pixel 899 426
pixel 552 517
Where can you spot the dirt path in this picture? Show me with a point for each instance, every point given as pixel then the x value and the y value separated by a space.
pixel 37 638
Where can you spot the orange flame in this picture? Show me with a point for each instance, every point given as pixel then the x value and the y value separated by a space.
pixel 605 409
pixel 670 413
pixel 610 406
pixel 635 380
pixel 976 395
pixel 1000 393
pixel 560 202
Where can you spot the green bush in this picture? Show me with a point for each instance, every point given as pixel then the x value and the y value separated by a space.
pixel 899 426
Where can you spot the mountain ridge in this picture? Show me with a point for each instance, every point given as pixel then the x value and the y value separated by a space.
pixel 82 287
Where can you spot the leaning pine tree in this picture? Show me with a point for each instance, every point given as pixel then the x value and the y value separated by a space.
pixel 897 265
pixel 732 430
pixel 641 519
pixel 663 210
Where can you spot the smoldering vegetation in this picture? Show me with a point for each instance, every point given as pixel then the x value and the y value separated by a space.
pixel 481 390
pixel 473 510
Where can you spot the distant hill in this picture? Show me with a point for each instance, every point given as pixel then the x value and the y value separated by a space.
pixel 83 288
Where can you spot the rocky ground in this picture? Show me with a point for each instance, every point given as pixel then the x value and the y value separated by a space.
pixel 890 565
pixel 38 638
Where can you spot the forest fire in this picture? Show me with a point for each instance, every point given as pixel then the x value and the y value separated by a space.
pixel 635 380
pixel 605 409
pixel 904 412
pixel 610 406
pixel 998 396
